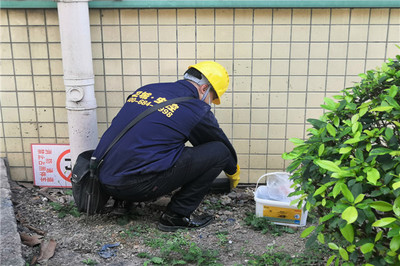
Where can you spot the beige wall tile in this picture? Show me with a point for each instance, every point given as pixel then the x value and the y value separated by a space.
pixel 318 50
pixel 111 33
pixel 241 100
pixel 131 33
pixel 261 67
pixel 241 146
pixel 320 16
pixel 17 17
pixel 258 131
pixel 376 50
pixel 334 83
pixel 186 16
pixel 113 83
pixel 280 50
pixel 336 67
pixel 277 116
pixel 282 16
pixel 241 116
pixel 241 67
pixel 355 67
pixel 130 50
pixel 300 33
pixel 10 114
pixel 275 162
pixel 45 114
pixel 5 50
pixel 44 99
pixel 314 113
pixel 296 100
pixel 379 16
pixel 340 16
pixel 263 16
pixel 278 100
pixel 95 33
pixel 299 50
pixel 149 50
pixel 168 67
pixel 115 99
pixel 56 67
pixel 338 50
pixel 112 67
pixel 358 33
pixel 281 33
pixel 205 51
pixel 8 98
pixel 148 16
pixel 279 67
pixel 110 16
pixel 243 33
pixel 53 34
pixel 377 33
pixel 392 50
pixel 186 33
pixel 167 33
pixel 112 50
pixel 11 130
pixel 339 33
pixel 58 98
pixel 301 16
pixel 148 33
pixel 24 83
pixel 131 67
pixel 22 67
pixel 316 83
pixel 51 16
pixel 167 50
pixel 224 115
pixel 394 16
pixel 360 16
pixel 39 51
pixel 224 50
pixel 317 67
pixel 150 67
pixel 62 130
pixel 241 130
pixel 26 98
pixel 319 33
pixel 394 33
pixel 40 67
pixel 243 16
pixel 276 146
pixel 315 99
pixel 4 33
pixel 242 83
pixel 6 67
pixel 205 33
pixel 131 83
pixel 37 34
pixel 7 82
pixel 3 17
pixel 15 159
pixel 279 83
pixel 294 131
pixel 98 67
pixel 357 50
pixel 258 146
pixel 262 32
pixel 242 50
pixel 258 161
pixel 166 16
pixel 46 130
pixel 55 51
pixel 19 34
pixel 129 16
pixel 18 174
pixel 227 128
pixel 205 16
pixel 60 114
pixel 259 116
pixel 296 116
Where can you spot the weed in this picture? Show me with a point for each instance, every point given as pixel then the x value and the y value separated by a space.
pixel 64 209
pixel 223 237
pixel 68 192
pixel 176 249
pixel 134 231
pixel 264 225
pixel 89 262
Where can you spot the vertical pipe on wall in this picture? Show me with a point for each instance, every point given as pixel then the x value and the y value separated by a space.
pixel 78 75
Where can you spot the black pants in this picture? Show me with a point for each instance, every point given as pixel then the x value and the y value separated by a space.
pixel 194 172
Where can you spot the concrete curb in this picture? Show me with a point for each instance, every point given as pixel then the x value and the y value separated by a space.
pixel 11 253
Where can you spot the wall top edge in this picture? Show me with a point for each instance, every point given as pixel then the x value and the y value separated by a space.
pixel 211 4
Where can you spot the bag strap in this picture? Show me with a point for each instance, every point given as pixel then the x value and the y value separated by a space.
pixel 137 119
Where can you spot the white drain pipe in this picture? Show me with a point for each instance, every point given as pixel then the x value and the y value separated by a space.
pixel 78 75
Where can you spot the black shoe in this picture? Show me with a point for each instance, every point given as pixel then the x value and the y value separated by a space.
pixel 173 222
pixel 121 207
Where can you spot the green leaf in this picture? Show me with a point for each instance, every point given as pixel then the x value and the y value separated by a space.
pixel 321 149
pixel 333 246
pixel 350 214
pixel 382 109
pixel 359 198
pixel 395 243
pixel 396 185
pixel 346 192
pixel 382 206
pixel 330 260
pixel 326 217
pixel 348 232
pixel 384 221
pixel 363 111
pixel 296 141
pixel 345 150
pixel 320 190
pixel 378 236
pixel 368 247
pixel 380 151
pixel 373 175
pixel 393 91
pixel 307 231
pixel 331 130
pixel 336 121
pixel 343 253
pixel 396 206
pixel 321 238
pixel 328 165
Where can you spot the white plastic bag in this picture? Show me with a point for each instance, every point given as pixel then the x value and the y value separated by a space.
pixel 278 187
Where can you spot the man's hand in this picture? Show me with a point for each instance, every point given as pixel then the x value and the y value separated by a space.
pixel 234 178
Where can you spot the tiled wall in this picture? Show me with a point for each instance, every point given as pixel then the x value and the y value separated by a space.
pixel 282 63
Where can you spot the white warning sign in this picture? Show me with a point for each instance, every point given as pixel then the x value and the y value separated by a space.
pixel 51 165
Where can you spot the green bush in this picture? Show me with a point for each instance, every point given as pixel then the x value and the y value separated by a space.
pixel 348 171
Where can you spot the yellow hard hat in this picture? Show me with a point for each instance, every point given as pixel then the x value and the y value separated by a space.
pixel 216 75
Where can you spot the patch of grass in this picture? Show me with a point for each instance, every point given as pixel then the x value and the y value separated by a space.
pixel 223 237
pixel 90 262
pixel 264 225
pixel 176 249
pixel 134 231
pixel 65 209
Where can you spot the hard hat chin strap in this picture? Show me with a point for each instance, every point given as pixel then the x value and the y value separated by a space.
pixel 205 95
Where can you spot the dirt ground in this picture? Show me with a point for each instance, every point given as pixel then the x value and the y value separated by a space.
pixel 78 240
